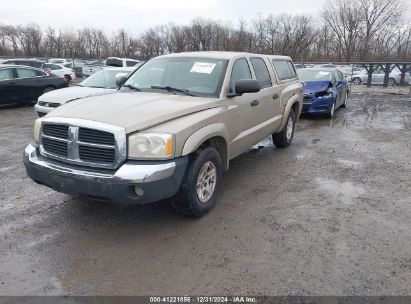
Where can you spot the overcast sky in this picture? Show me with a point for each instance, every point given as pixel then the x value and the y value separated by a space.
pixel 138 15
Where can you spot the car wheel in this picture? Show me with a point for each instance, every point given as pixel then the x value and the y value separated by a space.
pixel 68 77
pixel 344 105
pixel 201 184
pixel 357 81
pixel 285 136
pixel 48 89
pixel 331 113
pixel 391 82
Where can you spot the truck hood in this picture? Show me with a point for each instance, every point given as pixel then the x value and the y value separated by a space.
pixel 68 94
pixel 316 86
pixel 134 111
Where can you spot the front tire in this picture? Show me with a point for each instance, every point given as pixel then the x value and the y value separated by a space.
pixel 331 113
pixel 201 184
pixel 68 77
pixel 391 82
pixel 357 81
pixel 285 136
pixel 344 105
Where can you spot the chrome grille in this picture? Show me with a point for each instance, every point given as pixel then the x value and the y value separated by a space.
pixel 74 141
pixel 96 136
pixel 55 146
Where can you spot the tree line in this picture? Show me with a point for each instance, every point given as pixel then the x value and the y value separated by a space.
pixel 343 30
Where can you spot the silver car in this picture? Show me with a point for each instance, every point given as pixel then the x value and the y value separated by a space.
pixel 378 77
pixel 103 82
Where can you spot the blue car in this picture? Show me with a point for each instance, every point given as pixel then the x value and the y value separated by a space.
pixel 325 89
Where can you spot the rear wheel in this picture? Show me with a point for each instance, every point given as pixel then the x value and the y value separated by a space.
pixel 285 136
pixel 201 184
pixel 68 77
pixel 48 89
pixel 391 82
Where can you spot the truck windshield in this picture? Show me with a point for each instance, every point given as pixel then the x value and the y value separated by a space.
pixel 180 75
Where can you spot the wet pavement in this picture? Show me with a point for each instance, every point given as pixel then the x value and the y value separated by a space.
pixel 330 215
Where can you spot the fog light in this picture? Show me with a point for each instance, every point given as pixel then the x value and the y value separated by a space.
pixel 139 191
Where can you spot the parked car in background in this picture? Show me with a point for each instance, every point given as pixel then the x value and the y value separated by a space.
pixel 300 66
pixel 102 82
pixel 62 71
pixel 23 84
pixel 121 62
pixel 325 89
pixel 62 61
pixel 170 131
pixel 378 77
pixel 28 62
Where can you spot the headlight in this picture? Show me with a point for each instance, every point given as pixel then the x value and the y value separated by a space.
pixel 37 128
pixel 150 146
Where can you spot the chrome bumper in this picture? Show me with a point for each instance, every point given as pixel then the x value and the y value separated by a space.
pixel 159 180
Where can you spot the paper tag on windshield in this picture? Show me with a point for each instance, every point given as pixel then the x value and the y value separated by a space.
pixel 203 68
pixel 323 73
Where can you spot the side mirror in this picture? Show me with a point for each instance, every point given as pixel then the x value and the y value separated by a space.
pixel 120 81
pixel 243 86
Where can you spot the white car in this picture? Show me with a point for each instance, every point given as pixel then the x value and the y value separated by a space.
pixel 378 77
pixel 61 70
pixel 103 82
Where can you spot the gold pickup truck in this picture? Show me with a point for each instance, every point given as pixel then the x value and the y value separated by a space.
pixel 169 131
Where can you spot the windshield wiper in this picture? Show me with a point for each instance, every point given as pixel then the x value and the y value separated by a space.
pixel 131 87
pixel 172 89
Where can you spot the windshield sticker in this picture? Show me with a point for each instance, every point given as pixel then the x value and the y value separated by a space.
pixel 324 73
pixel 203 68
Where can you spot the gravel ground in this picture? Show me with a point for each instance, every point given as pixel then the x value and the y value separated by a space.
pixel 330 215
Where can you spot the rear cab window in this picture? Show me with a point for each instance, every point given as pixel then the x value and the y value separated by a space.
pixel 261 72
pixel 285 69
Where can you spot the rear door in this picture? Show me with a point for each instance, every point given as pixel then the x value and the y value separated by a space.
pixel 8 89
pixel 30 82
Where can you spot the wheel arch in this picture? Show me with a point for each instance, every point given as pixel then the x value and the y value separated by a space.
pixel 293 104
pixel 214 135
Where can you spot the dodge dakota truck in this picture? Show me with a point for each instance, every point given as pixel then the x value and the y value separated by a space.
pixel 169 131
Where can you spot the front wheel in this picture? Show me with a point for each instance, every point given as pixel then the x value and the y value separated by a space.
pixel 391 82
pixel 68 77
pixel 331 113
pixel 285 136
pixel 344 105
pixel 201 184
pixel 357 81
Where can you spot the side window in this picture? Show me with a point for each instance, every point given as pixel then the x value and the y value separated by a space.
pixel 6 74
pixel 293 74
pixel 130 63
pixel 261 72
pixel 282 68
pixel 241 70
pixel 26 73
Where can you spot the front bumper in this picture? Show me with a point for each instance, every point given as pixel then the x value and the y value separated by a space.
pixel 318 105
pixel 157 179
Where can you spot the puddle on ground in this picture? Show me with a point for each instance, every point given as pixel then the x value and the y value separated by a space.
pixel 346 192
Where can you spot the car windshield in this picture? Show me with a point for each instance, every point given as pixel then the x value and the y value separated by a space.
pixel 179 75
pixel 103 79
pixel 314 75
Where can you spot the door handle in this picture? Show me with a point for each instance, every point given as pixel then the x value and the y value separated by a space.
pixel 275 96
pixel 255 103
